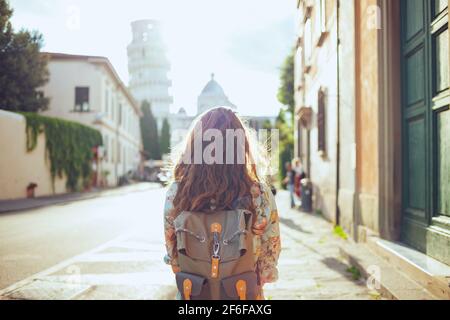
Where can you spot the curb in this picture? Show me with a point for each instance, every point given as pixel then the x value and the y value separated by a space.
pixel 41 202
pixel 391 283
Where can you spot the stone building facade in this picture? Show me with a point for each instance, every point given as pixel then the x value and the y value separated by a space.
pixel 95 96
pixel 373 117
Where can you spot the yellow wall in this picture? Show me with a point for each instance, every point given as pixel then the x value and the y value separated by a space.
pixel 17 166
pixel 367 108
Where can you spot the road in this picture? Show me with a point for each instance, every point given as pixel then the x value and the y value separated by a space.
pixel 111 247
pixel 113 244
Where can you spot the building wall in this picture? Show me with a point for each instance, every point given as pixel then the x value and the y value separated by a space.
pixel 351 75
pixel 367 108
pixel 120 128
pixel 180 124
pixel 65 75
pixel 18 167
pixel 372 133
pixel 347 130
pixel 320 73
pixel 111 112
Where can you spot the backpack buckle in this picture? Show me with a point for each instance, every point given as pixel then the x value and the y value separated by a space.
pixel 216 229
pixel 216 246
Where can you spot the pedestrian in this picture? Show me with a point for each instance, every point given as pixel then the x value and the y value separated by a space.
pixel 221 222
pixel 299 176
pixel 289 181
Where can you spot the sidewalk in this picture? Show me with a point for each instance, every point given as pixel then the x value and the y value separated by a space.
pixel 33 203
pixel 310 265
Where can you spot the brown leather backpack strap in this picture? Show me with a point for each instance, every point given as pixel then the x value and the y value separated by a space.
pixel 187 289
pixel 241 288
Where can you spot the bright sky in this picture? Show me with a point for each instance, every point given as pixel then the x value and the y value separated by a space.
pixel 244 42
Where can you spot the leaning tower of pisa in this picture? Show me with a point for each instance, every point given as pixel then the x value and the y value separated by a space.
pixel 148 68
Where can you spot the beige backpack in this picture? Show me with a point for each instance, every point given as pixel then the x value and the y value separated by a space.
pixel 215 255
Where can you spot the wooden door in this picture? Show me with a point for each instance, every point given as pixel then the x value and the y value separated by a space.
pixel 426 126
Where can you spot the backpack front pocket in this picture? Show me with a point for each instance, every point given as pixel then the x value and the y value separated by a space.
pixel 236 236
pixel 192 287
pixel 192 238
pixel 240 287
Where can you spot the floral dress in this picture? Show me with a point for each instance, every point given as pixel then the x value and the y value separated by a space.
pixel 267 244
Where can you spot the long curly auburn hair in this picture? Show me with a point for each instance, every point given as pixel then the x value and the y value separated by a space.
pixel 204 187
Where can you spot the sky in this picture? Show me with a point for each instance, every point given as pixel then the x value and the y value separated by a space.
pixel 243 42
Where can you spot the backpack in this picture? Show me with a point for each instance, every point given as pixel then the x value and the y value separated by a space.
pixel 215 256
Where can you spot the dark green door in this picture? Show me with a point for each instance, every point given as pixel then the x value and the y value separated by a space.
pixel 426 126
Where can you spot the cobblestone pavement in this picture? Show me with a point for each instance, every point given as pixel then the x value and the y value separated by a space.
pixel 310 267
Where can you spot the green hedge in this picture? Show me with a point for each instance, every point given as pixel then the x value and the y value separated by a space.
pixel 68 146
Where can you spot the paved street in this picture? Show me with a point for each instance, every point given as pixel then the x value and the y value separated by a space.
pixel 108 247
pixel 111 248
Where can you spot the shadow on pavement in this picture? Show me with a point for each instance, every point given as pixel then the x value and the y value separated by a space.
pixel 291 224
pixel 342 268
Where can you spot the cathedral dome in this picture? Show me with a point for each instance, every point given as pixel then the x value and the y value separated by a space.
pixel 213 88
pixel 212 96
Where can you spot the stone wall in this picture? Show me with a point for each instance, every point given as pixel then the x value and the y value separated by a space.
pixel 347 131
pixel 367 108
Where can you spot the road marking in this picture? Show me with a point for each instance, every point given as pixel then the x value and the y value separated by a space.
pixel 55 268
pixel 122 257
pixel 132 279
pixel 59 283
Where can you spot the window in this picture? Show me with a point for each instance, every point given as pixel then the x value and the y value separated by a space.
pixel 321 122
pixel 299 68
pixel 113 111
pixel 322 15
pixel 127 119
pixel 308 41
pixel 107 102
pixel 113 151
pixel 120 114
pixel 82 99
pixel 106 148
pixel 125 158
pixel 299 139
pixel 321 19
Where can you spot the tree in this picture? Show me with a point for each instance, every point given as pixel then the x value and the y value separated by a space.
pixel 149 133
pixel 22 67
pixel 165 137
pixel 286 143
pixel 267 125
pixel 286 92
pixel 286 128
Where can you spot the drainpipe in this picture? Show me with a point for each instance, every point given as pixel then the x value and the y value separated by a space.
pixel 355 218
pixel 338 215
